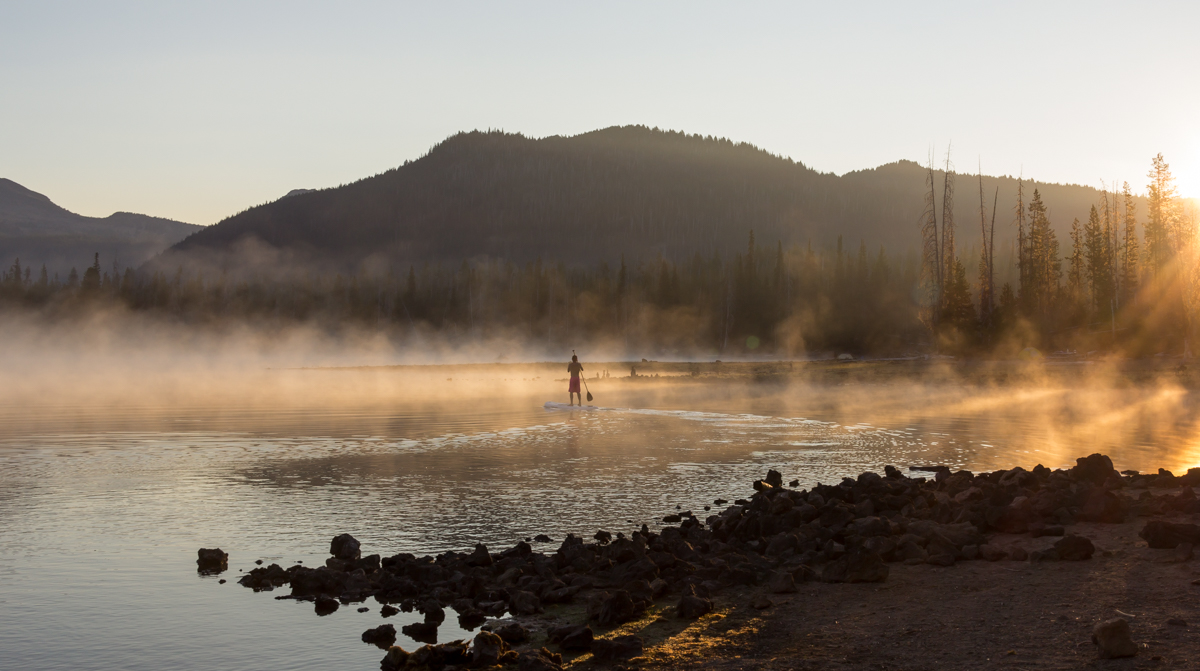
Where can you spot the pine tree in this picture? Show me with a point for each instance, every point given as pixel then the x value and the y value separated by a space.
pixel 1099 268
pixel 1129 248
pixel 957 309
pixel 1161 215
pixel 1078 268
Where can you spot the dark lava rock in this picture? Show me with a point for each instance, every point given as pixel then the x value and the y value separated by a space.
pixel 1102 506
pixel 543 538
pixel 524 603
pixel 539 660
pixel 782 582
pixel 422 632
pixel 364 609
pixel 1166 535
pixel 1049 554
pixel 211 561
pixel 856 566
pixel 672 519
pixel 394 660
pixel 258 562
pixel 774 478
pixel 480 557
pixel 617 648
pixel 603 537
pixel 1114 639
pixel 1095 468
pixel 433 611
pixel 471 618
pixel 1041 530
pixel 344 547
pixel 388 610
pixel 432 656
pixel 487 649
pixel 691 606
pixel 383 636
pixel 761 602
pixel 325 605
pixel 1074 548
pixel 572 637
pixel 617 608
pixel 512 633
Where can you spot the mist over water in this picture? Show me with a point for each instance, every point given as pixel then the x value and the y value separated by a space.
pixel 121 455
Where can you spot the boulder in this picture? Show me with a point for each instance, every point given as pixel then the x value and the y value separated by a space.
pixel 394 660
pixel 617 608
pixel 1095 468
pixel 433 611
pixel 761 602
pixel 572 637
pixel 856 566
pixel 344 547
pixel 480 557
pixel 211 561
pixel 617 649
pixel 782 582
pixel 774 478
pixel 524 603
pixel 1074 548
pixel 1102 506
pixel 422 632
pixel 487 648
pixel 512 633
pixel 325 605
pixel 539 660
pixel 1114 639
pixel 1166 535
pixel 383 636
pixel 992 552
pixel 691 606
pixel 388 610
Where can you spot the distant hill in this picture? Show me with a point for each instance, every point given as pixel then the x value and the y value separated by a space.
pixel 591 197
pixel 38 232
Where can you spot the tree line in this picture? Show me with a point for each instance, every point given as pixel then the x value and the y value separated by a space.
pixel 1123 289
pixel 766 299
pixel 1131 282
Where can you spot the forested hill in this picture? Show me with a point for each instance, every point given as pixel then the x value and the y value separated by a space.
pixel 39 232
pixel 593 197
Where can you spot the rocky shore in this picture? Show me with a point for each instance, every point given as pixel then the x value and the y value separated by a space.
pixel 728 587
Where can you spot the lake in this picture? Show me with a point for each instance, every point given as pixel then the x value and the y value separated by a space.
pixel 103 504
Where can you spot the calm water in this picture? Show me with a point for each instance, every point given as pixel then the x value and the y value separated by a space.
pixel 102 510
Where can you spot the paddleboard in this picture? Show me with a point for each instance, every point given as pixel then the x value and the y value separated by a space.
pixel 551 405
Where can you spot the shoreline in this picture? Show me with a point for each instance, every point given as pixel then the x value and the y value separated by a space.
pixel 841 574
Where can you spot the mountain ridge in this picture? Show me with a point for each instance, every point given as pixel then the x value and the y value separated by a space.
pixel 625 191
pixel 39 232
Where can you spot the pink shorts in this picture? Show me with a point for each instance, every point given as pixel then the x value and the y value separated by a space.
pixel 573 388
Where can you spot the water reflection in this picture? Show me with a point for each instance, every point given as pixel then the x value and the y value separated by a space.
pixel 101 511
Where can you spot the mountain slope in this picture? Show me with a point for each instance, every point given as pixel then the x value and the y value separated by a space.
pixel 628 190
pixel 38 232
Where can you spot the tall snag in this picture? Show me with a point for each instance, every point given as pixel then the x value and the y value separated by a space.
pixel 931 248
pixel 987 290
pixel 948 252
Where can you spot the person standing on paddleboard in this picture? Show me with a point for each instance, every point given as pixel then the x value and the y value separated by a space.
pixel 574 369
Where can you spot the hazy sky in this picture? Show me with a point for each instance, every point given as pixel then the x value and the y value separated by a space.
pixel 195 111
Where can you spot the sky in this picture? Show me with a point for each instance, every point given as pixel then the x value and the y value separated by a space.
pixel 196 111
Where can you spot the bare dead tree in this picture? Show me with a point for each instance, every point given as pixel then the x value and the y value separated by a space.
pixel 948 253
pixel 985 262
pixel 931 249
